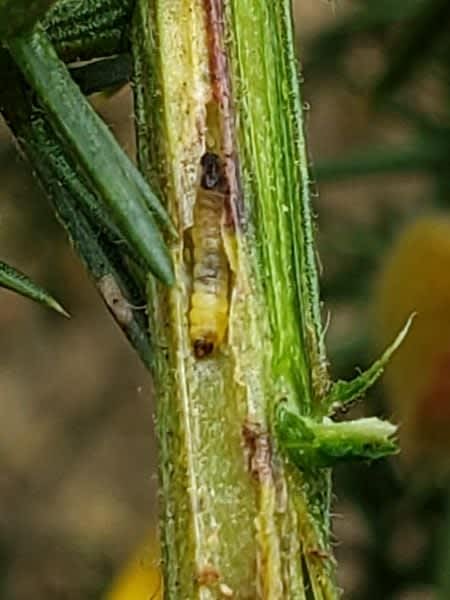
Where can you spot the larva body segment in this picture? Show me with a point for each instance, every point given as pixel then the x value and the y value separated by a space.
pixel 209 301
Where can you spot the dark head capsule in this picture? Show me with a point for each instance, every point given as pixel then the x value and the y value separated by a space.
pixel 211 171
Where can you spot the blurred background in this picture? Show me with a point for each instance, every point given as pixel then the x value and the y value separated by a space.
pixel 77 454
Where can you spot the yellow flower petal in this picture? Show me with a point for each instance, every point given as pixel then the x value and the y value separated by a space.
pixel 416 278
pixel 140 578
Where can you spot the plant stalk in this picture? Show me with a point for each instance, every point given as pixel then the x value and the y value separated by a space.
pixel 237 519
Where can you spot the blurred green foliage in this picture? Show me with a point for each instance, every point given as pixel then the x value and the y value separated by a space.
pixel 413 37
pixel 411 40
pixel 408 84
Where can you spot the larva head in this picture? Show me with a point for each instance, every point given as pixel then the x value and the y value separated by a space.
pixel 204 346
pixel 211 171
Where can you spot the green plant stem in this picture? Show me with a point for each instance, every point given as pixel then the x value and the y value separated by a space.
pixel 235 515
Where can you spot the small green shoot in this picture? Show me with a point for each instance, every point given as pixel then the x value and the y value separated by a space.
pixel 310 444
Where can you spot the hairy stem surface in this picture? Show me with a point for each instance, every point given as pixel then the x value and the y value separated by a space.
pixel 237 520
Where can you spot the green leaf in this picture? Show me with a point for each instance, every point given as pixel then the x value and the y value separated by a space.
pixel 310 444
pixel 343 393
pixel 110 172
pixel 16 281
pixel 63 169
pixel 120 282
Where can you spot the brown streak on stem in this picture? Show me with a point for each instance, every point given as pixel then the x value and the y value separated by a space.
pixel 258 451
pixel 221 88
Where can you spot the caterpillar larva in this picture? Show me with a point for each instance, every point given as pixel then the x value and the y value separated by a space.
pixel 209 301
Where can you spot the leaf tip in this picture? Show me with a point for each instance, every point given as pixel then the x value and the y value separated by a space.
pixel 57 307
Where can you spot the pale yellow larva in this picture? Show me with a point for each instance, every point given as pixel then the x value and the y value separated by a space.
pixel 209 302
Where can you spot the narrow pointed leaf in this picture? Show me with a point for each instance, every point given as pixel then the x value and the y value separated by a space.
pixel 343 393
pixel 110 172
pixel 16 281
